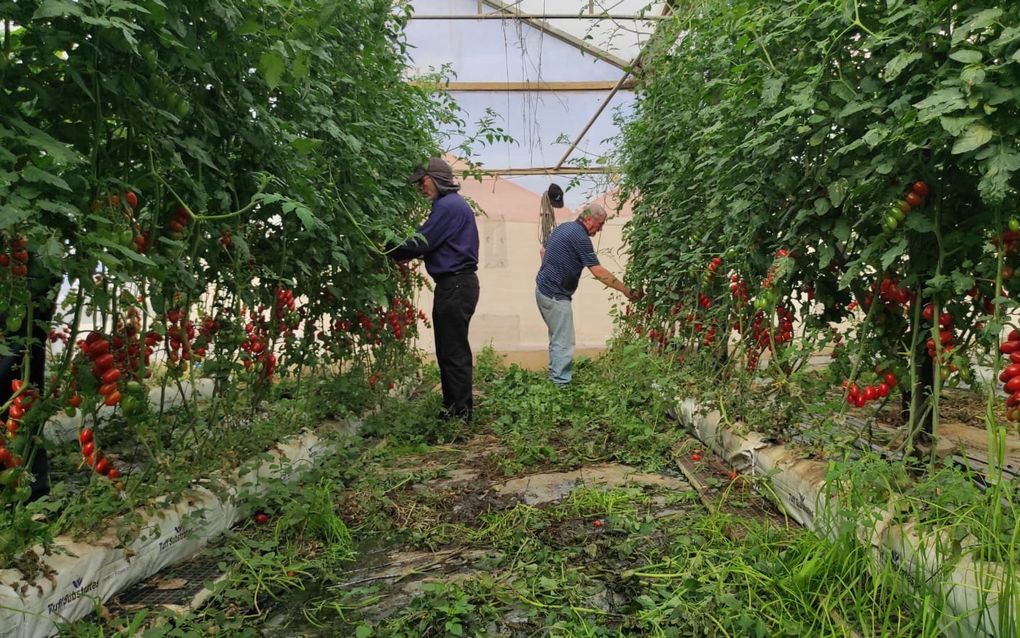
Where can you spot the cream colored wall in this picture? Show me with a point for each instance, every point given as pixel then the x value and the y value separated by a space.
pixel 507 317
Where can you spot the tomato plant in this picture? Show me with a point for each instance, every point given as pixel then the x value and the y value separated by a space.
pixel 212 200
pixel 860 175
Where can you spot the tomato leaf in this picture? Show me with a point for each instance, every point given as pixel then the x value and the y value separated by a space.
pixel 974 137
pixel 919 222
pixel 956 125
pixel 11 216
pixel 771 90
pixel 271 66
pixel 894 252
pixel 899 64
pixel 940 102
pixel 966 56
pixel 980 20
pixel 57 8
pixel 32 173
pixel 1003 162
pixel 962 281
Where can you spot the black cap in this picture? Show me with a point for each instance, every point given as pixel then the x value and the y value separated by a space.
pixel 555 196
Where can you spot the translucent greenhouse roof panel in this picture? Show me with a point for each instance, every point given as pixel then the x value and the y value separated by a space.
pixel 543 125
pixel 586 48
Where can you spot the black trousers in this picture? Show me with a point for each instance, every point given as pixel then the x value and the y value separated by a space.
pixel 455 300
pixel 10 369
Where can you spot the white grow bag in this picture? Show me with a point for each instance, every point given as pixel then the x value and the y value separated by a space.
pixel 87 573
pixel 799 485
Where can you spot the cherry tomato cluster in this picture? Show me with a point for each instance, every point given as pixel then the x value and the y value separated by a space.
pixel 396 320
pixel 61 334
pixel 180 332
pixel 764 335
pixel 914 198
pixel 97 349
pixel 858 397
pixel 1010 375
pixel 713 266
pixel 738 289
pixel 1009 237
pixel 770 293
pixel 257 354
pixel 96 460
pixel 285 311
pixel 890 292
pixel 20 406
pixel 946 335
pixel 17 258
pixel 178 223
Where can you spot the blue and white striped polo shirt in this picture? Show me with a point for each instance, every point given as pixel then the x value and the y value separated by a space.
pixel 568 251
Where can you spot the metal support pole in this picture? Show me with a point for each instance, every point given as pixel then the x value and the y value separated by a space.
pixel 602 107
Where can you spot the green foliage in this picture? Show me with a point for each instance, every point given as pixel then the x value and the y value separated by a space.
pixel 778 137
pixel 609 413
pixel 219 181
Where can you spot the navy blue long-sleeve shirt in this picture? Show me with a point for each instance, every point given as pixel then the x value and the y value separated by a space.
pixel 450 235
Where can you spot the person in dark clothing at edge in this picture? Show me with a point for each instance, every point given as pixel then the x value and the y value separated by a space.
pixel 31 337
pixel 449 246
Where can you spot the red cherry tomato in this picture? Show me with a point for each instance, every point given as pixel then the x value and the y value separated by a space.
pixel 1013 385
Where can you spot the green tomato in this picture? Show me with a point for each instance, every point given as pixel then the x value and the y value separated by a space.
pixel 1014 224
pixel 128 404
pixel 897 213
pixel 14 318
pixel 891 223
pixel 150 56
pixel 10 476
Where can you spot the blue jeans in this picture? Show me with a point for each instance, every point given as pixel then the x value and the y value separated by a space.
pixel 559 318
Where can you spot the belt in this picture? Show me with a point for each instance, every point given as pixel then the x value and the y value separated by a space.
pixel 440 276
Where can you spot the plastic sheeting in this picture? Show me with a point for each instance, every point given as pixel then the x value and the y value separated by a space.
pixel 63 428
pixel 84 574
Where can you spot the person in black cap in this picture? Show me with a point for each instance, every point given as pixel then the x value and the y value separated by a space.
pixel 449 246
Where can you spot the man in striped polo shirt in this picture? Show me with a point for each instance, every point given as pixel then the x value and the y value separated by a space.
pixel 567 252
